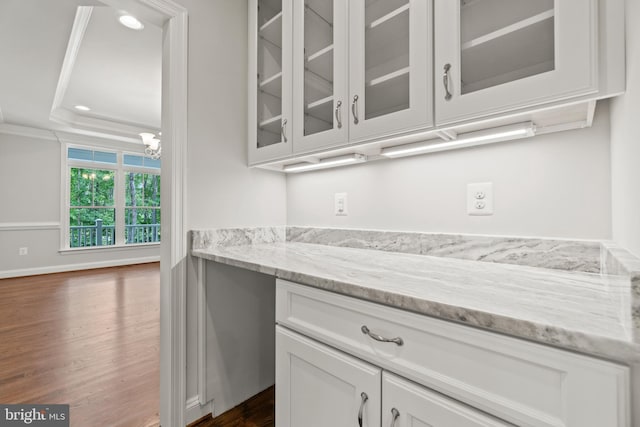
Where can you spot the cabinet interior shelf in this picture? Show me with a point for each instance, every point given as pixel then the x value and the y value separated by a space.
pixel 548 14
pixel 387 77
pixel 320 63
pixel 272 85
pixel 388 17
pixel 271 124
pixel 271 30
pixel 319 102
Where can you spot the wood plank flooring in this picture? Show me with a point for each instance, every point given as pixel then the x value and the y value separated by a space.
pixel 258 411
pixel 90 339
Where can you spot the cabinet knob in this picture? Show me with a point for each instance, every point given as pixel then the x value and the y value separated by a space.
pixel 354 109
pixel 364 398
pixel 445 82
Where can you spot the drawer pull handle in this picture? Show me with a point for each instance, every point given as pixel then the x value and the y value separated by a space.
pixel 283 130
pixel 445 82
pixel 364 398
pixel 354 109
pixel 339 114
pixel 394 416
pixel 399 341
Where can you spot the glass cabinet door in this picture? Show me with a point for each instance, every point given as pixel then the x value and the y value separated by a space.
pixel 390 63
pixel 320 72
pixel 494 55
pixel 270 127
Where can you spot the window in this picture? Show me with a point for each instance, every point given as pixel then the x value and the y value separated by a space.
pixel 113 198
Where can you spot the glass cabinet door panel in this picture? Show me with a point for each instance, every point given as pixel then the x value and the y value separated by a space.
pixel 505 40
pixel 497 56
pixel 390 66
pixel 387 53
pixel 318 66
pixel 269 114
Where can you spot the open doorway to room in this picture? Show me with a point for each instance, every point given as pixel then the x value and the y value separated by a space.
pixel 81 187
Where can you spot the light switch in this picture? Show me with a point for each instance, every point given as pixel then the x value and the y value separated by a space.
pixel 340 204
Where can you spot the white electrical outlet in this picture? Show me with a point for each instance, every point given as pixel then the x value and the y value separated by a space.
pixel 23 251
pixel 480 199
pixel 340 204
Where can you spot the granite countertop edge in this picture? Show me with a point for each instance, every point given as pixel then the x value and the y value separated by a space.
pixel 582 342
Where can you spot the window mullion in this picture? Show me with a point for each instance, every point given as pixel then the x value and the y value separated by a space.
pixel 120 201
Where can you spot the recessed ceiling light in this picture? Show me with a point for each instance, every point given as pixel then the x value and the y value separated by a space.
pixel 82 108
pixel 131 22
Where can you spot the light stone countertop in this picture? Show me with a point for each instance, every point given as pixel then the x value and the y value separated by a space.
pixel 585 312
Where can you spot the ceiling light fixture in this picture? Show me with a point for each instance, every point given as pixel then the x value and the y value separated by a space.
pixel 503 133
pixel 131 22
pixel 152 145
pixel 82 108
pixel 326 163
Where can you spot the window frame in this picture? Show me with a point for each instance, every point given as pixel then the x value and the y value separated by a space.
pixel 120 170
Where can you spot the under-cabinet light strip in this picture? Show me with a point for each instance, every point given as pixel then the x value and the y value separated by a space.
pixel 326 163
pixel 521 130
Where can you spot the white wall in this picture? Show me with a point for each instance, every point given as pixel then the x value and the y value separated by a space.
pixel 31 196
pixel 625 143
pixel 555 185
pixel 222 191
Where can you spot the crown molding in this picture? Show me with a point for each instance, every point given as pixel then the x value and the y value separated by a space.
pixel 101 140
pixel 96 125
pixel 80 23
pixel 9 129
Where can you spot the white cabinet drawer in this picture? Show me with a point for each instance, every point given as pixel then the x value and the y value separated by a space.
pixel 406 404
pixel 524 383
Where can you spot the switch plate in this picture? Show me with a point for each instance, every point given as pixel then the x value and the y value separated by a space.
pixel 480 199
pixel 340 204
pixel 23 251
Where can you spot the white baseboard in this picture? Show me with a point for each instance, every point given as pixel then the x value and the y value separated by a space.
pixel 195 411
pixel 74 267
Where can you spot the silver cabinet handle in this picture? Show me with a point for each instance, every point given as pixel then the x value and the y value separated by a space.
pixel 283 130
pixel 364 398
pixel 445 82
pixel 394 416
pixel 339 114
pixel 399 341
pixel 354 109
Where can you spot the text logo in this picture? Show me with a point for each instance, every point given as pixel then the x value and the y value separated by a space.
pixel 34 415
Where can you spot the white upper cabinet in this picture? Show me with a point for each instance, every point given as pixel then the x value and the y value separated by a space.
pixel 270 81
pixel 390 52
pixel 319 74
pixel 496 56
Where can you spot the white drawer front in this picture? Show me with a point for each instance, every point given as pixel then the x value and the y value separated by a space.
pixel 525 383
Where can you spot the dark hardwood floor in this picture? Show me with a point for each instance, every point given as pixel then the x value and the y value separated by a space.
pixel 255 412
pixel 90 339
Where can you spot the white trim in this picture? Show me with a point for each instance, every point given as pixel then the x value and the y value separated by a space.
pixel 111 248
pixel 201 368
pixel 94 139
pixel 80 23
pixel 24 226
pixel 195 411
pixel 75 267
pixel 27 131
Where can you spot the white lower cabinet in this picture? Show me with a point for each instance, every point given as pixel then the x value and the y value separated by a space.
pixel 317 386
pixel 406 404
pixel 331 348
